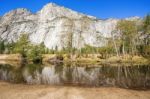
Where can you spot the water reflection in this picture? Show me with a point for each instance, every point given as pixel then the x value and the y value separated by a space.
pixel 120 76
pixel 49 76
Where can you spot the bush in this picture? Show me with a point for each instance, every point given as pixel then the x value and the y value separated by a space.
pixel 29 51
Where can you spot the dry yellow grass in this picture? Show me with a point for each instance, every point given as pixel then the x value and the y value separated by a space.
pixel 10 57
pixel 128 59
pixel 89 58
pixel 46 57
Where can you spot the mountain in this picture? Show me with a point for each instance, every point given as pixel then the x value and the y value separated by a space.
pixel 56 26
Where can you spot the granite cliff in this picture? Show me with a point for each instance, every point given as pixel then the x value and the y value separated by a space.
pixel 55 26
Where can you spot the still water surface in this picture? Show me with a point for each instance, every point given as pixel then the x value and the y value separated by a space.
pixel 133 77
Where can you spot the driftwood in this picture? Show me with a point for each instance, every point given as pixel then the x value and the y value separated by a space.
pixel 57 59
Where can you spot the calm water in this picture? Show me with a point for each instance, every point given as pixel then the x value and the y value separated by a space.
pixel 134 77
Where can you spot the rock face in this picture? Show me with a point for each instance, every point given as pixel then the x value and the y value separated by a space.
pixel 56 26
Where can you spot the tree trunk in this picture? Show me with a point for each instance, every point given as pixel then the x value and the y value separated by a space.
pixel 123 49
pixel 115 46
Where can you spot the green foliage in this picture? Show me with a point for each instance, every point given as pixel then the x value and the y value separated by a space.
pixel 127 28
pixel 88 49
pixel 34 54
pixel 144 50
pixel 33 67
pixel 146 30
pixel 22 45
pixel 2 47
pixel 104 51
pixel 10 47
pixel 146 24
pixel 26 49
pixel 128 34
pixel 144 45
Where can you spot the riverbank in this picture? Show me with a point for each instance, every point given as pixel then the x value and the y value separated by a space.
pixel 10 57
pixel 20 91
pixel 82 59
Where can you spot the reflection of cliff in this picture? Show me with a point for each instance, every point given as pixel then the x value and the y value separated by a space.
pixel 120 76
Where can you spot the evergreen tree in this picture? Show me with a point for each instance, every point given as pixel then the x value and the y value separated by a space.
pixel 22 45
pixel 146 30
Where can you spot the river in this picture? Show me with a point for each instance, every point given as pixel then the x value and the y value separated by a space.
pixel 131 77
pixel 61 81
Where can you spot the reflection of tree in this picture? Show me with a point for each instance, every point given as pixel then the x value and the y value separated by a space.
pixel 68 73
pixel 58 68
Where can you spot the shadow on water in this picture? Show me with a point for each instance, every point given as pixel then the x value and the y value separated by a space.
pixel 132 77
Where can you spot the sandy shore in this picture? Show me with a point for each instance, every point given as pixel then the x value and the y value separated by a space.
pixel 19 91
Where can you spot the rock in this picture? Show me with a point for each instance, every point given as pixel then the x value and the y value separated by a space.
pixel 56 59
pixel 53 25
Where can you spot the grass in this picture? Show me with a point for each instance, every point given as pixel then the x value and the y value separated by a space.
pixel 85 59
pixel 10 57
pixel 128 59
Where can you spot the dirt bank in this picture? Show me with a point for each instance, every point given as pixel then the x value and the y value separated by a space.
pixel 19 91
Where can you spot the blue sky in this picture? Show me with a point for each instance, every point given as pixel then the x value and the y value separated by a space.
pixel 98 8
